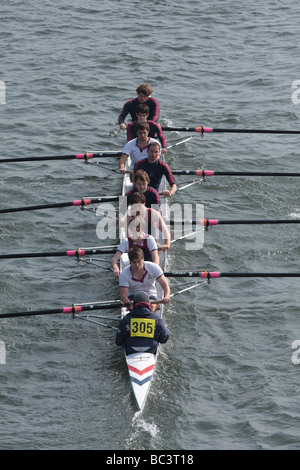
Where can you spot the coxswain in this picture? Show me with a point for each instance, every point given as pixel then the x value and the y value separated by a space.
pixel 141 330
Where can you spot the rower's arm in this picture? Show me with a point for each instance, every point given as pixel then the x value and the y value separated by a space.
pixel 165 232
pixel 166 288
pixel 122 162
pixel 114 264
pixel 124 294
pixel 155 256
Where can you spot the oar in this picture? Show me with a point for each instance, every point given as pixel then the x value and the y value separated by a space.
pixel 203 130
pixel 70 310
pixel 79 202
pixel 75 308
pixel 78 156
pixel 204 173
pixel 207 222
pixel 78 253
pixel 181 142
pixel 216 274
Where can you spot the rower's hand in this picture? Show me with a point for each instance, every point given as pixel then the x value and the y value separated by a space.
pixel 163 247
pixel 167 193
pixel 166 300
pixel 116 273
pixel 122 170
pixel 163 151
pixel 123 126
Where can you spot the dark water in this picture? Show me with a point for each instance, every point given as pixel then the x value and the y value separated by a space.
pixel 225 379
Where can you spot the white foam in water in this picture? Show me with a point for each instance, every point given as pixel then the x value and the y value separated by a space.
pixel 295 215
pixel 141 426
pixel 2 353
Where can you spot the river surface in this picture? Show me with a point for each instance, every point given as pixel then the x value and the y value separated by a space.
pixel 226 379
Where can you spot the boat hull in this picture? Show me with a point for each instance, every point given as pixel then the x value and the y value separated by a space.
pixel 141 366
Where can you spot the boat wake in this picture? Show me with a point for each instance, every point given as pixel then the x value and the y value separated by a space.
pixel 296 214
pixel 144 433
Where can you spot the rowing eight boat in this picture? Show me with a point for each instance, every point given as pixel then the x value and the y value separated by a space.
pixel 141 365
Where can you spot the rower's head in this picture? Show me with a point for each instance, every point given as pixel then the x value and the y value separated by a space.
pixel 136 227
pixel 141 181
pixel 142 130
pixel 143 92
pixel 136 258
pixel 154 151
pixel 142 112
pixel 138 198
pixel 137 208
pixel 137 205
pixel 141 297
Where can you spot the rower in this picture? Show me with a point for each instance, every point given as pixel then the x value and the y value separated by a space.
pixel 144 92
pixel 156 169
pixel 137 238
pixel 141 182
pixel 141 330
pixel 152 217
pixel 136 149
pixel 155 130
pixel 142 275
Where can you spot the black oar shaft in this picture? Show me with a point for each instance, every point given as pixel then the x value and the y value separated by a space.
pixel 68 310
pixel 214 274
pixel 36 207
pixel 79 203
pixel 204 129
pixel 252 173
pixel 78 156
pixel 258 222
pixel 75 253
pixel 204 173
pixel 224 274
pixel 255 131
pixel 208 222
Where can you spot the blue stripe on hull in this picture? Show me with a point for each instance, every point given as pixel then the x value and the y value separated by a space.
pixel 141 382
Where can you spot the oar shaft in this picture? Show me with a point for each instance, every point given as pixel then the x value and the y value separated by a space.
pixel 231 173
pixel 36 207
pixel 251 131
pixel 208 222
pixel 249 222
pixel 69 310
pixel 224 274
pixel 78 156
pixel 201 129
pixel 78 253
pixel 216 274
pixel 78 203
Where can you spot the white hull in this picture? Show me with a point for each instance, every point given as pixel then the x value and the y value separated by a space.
pixel 141 369
pixel 141 366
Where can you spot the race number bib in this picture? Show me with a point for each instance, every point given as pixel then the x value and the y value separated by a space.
pixel 142 327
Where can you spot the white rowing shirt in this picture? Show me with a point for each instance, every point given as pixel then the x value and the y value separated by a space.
pixel 148 242
pixel 152 272
pixel 133 150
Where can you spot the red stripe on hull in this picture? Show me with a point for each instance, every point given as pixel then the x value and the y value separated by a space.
pixel 141 372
